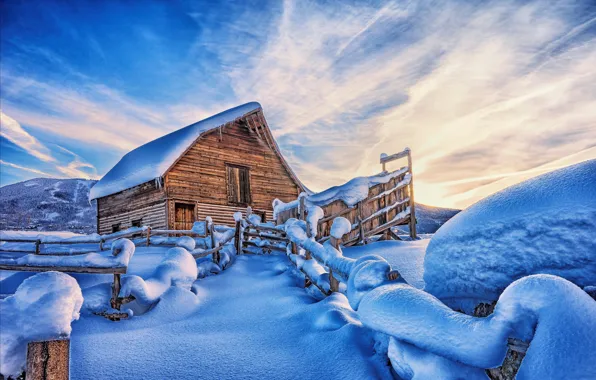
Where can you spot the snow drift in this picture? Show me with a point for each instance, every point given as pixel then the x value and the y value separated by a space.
pixel 178 268
pixel 554 315
pixel 42 308
pixel 543 225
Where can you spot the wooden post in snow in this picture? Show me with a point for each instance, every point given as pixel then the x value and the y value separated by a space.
pixel 237 238
pixel 37 244
pixel 412 204
pixel 114 302
pixel 333 283
pixel 48 360
pixel 148 236
pixel 211 229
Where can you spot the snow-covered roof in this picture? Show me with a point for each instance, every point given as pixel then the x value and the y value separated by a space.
pixel 155 158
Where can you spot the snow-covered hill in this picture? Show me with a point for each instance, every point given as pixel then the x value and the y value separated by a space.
pixel 47 204
pixel 430 218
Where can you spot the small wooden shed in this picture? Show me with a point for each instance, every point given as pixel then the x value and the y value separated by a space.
pixel 214 168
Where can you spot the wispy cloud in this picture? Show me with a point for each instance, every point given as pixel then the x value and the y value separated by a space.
pixel 70 167
pixel 13 132
pixel 513 82
pixel 24 168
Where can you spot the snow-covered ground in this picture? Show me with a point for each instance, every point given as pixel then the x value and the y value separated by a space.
pixel 251 321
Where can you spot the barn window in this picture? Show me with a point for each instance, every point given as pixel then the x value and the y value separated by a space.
pixel 238 180
pixel 115 227
pixel 137 222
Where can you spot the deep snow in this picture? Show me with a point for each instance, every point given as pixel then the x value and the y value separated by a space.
pixel 251 321
pixel 543 225
pixel 407 257
pixel 554 315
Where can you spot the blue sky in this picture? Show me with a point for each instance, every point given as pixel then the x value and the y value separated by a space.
pixel 486 94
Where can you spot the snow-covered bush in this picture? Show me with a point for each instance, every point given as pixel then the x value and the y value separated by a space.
pixel 556 316
pixel 178 268
pixel 42 308
pixel 206 267
pixel 543 225
pixel 186 242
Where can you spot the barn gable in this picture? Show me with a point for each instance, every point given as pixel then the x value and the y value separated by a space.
pixel 244 149
pixel 153 160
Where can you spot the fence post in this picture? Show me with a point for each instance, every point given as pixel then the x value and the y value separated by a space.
pixel 361 231
pixel 333 283
pixel 412 204
pixel 148 236
pixel 115 301
pixel 237 241
pixel 211 229
pixel 48 360
pixel 37 243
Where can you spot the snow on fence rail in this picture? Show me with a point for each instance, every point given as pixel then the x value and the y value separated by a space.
pixel 139 235
pixel 372 205
pixel 115 263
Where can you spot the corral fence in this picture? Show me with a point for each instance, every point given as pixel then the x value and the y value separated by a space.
pixel 388 204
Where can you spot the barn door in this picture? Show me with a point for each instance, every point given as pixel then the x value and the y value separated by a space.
pixel 184 216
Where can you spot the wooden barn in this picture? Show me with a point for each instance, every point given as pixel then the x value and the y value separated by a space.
pixel 214 168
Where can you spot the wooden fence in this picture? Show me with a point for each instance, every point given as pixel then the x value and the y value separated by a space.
pixel 140 236
pixel 387 205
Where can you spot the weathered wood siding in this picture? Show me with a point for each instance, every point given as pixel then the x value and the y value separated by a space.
pixel 146 202
pixel 200 174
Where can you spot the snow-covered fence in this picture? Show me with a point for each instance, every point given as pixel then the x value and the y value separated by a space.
pixel 78 245
pixel 372 205
pixel 115 263
pixel 252 233
pixel 28 245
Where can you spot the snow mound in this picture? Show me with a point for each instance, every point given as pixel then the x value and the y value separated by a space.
pixel 543 225
pixel 178 269
pixel 152 160
pixel 42 308
pixel 554 315
pixel 186 242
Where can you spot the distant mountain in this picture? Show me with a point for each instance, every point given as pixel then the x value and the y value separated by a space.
pixel 430 218
pixel 47 204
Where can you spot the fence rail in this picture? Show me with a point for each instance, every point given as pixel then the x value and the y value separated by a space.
pixel 142 234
